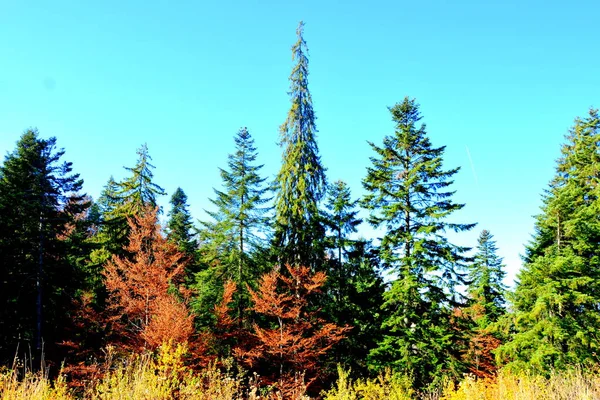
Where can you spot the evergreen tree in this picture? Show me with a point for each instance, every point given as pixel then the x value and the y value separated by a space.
pixel 108 200
pixel 301 183
pixel 486 293
pixel 180 226
pixel 108 236
pixel 138 192
pixel 356 295
pixel 122 200
pixel 39 201
pixel 556 300
pixel 354 287
pixel 232 243
pixel 340 217
pixel 408 196
pixel 486 288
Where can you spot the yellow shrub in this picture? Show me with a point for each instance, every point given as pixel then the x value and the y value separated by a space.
pixel 573 385
pixel 385 386
pixel 32 387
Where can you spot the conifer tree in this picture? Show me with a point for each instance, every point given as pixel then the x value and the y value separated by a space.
pixel 232 244
pixel 340 217
pixel 558 291
pixel 180 226
pixel 355 296
pixel 138 192
pixel 408 195
pixel 486 288
pixel 486 293
pixel 354 287
pixel 122 200
pixel 108 199
pixel 108 235
pixel 301 183
pixel 39 199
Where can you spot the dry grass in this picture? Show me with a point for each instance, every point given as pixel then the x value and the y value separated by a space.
pixel 574 385
pixel 164 376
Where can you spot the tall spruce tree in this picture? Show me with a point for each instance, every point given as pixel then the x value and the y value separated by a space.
pixel 556 314
pixel 301 182
pixel 233 243
pixel 39 201
pixel 408 196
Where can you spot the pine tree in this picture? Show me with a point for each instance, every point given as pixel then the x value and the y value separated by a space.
pixel 556 299
pixel 408 195
pixel 354 288
pixel 486 288
pixel 39 201
pixel 486 292
pixel 301 183
pixel 340 217
pixel 122 200
pixel 232 244
pixel 138 192
pixel 108 200
pixel 180 226
pixel 109 229
pixel 356 295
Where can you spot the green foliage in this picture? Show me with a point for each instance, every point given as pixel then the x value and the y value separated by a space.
pixel 234 243
pixel 180 226
pixel 121 200
pixel 407 195
pixel 39 201
pixel 486 288
pixel 340 217
pixel 354 287
pixel 301 181
pixel 556 316
pixel 137 192
pixel 355 294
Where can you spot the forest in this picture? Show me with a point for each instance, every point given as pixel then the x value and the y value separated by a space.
pixel 276 295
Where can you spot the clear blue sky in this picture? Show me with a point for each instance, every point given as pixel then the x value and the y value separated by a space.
pixel 501 80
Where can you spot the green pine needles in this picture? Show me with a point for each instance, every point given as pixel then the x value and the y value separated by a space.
pixel 557 314
pixel 408 196
pixel 301 181
pixel 233 245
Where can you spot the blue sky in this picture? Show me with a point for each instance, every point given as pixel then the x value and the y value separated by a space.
pixel 499 80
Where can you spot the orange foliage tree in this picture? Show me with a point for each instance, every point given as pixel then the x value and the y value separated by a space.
pixel 144 303
pixel 480 356
pixel 296 337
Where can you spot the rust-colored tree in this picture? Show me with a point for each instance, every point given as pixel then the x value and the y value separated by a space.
pixel 144 304
pixel 296 337
pixel 483 341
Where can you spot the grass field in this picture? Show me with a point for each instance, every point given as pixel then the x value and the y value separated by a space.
pixel 166 377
